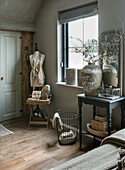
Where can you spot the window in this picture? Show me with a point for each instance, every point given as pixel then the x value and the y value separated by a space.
pixel 84 30
pixel 76 28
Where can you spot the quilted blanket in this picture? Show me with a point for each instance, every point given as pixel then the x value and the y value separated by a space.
pixel 102 158
pixel 117 138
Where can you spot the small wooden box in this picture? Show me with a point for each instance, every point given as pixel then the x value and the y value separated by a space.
pixel 99 125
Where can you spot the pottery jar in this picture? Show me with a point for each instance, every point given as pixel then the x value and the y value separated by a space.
pixel 109 75
pixel 91 79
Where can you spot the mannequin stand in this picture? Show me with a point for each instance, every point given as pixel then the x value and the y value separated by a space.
pixel 38 112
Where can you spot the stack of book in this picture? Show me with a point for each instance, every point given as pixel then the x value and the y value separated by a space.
pixel 99 123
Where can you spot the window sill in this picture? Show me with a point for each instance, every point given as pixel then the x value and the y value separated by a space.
pixel 66 85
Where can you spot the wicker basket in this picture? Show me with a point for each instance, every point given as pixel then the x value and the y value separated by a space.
pixel 69 132
pixel 97 132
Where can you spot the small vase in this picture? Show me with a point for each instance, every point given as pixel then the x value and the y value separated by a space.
pixel 71 76
pixel 91 79
pixel 79 79
pixel 109 75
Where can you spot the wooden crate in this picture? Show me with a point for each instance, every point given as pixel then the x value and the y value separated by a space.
pixel 99 125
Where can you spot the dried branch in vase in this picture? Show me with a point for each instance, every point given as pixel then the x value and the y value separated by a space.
pixel 88 49
pixel 93 51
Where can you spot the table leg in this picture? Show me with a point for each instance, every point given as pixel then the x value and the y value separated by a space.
pixel 94 111
pixel 122 115
pixel 80 123
pixel 109 113
pixel 31 113
pixel 48 118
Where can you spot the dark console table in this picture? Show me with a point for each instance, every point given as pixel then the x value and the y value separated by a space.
pixel 101 102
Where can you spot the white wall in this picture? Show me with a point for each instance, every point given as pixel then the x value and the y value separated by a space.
pixel 110 14
pixel 46 36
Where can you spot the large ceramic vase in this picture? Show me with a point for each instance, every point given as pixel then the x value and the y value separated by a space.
pixel 91 79
pixel 109 75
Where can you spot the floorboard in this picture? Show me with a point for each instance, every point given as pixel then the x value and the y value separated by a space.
pixel 26 148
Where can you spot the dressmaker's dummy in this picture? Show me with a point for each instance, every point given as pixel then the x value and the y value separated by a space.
pixel 37 76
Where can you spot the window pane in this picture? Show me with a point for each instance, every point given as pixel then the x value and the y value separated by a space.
pixel 75 31
pixel 81 30
pixel 91 28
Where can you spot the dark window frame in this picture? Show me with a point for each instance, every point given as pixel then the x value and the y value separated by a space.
pixel 65 49
pixel 65 52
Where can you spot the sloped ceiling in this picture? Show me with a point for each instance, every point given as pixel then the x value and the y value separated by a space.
pixel 19 12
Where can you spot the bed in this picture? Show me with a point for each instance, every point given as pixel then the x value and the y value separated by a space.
pixel 106 156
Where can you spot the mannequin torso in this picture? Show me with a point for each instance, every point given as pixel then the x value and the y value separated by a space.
pixel 37 76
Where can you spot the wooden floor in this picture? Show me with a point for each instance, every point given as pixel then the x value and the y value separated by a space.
pixel 27 148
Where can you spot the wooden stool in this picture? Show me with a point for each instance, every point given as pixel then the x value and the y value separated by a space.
pixel 36 120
